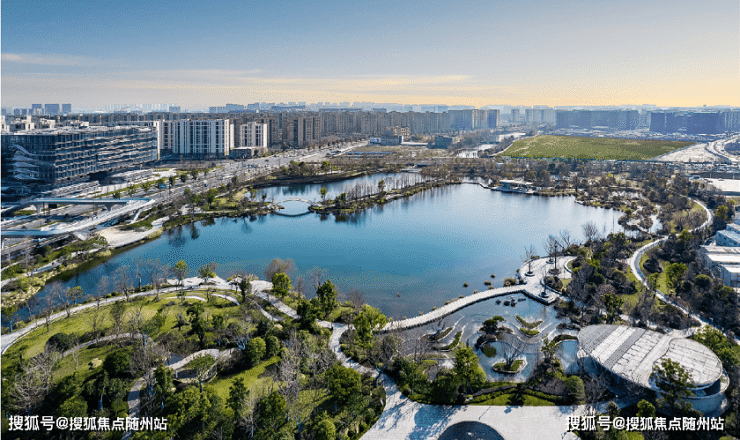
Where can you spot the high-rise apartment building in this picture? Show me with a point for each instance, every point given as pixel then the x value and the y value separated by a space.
pixel 253 134
pixel 197 138
pixel 301 129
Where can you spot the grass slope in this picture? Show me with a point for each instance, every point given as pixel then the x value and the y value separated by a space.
pixel 591 148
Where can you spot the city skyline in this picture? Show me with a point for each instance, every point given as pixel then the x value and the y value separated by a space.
pixel 457 53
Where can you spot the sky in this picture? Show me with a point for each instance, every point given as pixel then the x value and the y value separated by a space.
pixel 462 52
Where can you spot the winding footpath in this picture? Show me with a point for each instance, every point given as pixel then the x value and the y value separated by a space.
pixel 634 264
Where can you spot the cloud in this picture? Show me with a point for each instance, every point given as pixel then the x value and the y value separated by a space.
pixel 56 59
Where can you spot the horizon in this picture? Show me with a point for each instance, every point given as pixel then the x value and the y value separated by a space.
pixel 574 53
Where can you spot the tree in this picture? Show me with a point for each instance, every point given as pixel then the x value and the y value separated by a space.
pixel 367 322
pixel 163 385
pixel 117 310
pixel 255 350
pixel 675 385
pixel 721 213
pixel 590 232
pixel 512 347
pixel 211 197
pixel 71 295
pixel 613 304
pixel 280 284
pixel 123 280
pixel 157 272
pixel 466 366
pixel 327 295
pixel 529 254
pixel 31 385
pixel 245 286
pixel 117 363
pixel 343 383
pixel 180 269
pixel 645 409
pixel 201 366
pixel 183 177
pixel 576 390
pixel 146 186
pixel 272 346
pixel 323 193
pixel 552 245
pixel 674 274
pixel 207 271
pixel 286 266
pixel 325 430
pixel 238 395
pixel 271 415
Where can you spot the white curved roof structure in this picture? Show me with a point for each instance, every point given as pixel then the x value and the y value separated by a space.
pixel 631 353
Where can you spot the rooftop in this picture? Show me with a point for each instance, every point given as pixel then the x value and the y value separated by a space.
pixel 631 353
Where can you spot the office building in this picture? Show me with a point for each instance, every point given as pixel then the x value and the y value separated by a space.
pixel 54 157
pixel 51 109
pixel 66 108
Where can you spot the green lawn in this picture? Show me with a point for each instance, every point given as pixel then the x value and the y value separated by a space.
pixel 251 378
pixel 34 342
pixel 591 148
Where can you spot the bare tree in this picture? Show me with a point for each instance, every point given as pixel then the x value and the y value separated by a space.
pixel 356 298
pixel 139 265
pixel 529 254
pixel 300 287
pixel 566 240
pixel 590 232
pixel 95 319
pixel 317 278
pixel 123 280
pixel 511 348
pixel 71 295
pixel 103 285
pixel 552 246
pixel 35 381
pixel 157 272
pixel 277 265
pixel 55 291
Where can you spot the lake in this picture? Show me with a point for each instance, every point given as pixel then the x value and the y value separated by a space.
pixel 405 257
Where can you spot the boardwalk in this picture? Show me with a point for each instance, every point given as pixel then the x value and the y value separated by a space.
pixel 532 289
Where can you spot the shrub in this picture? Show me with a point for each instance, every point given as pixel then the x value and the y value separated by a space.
pixel 61 341
pixel 116 363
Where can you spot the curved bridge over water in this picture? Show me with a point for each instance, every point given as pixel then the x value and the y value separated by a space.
pixel 294 199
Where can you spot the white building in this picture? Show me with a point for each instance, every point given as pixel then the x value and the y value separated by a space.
pixel 728 237
pixel 201 138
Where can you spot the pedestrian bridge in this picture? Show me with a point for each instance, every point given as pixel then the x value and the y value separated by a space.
pixel 532 290
pixel 127 206
pixel 294 199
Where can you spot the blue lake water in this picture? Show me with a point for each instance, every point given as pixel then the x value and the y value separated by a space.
pixel 405 257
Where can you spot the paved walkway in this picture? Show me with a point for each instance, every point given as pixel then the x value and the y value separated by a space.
pixel 634 264
pixel 403 418
pixel 532 288
pixel 134 396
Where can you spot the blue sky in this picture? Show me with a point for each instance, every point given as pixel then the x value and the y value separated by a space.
pixel 196 53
